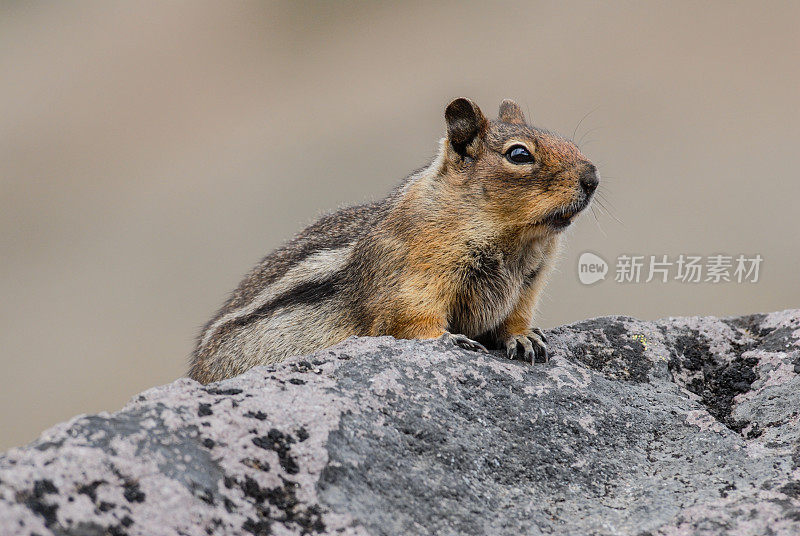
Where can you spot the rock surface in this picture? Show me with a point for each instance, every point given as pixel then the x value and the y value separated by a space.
pixel 681 426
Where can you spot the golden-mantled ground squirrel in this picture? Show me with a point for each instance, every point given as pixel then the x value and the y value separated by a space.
pixel 460 250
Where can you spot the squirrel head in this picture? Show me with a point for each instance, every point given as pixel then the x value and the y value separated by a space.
pixel 521 175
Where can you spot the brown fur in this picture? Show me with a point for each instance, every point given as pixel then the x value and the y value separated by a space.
pixel 463 246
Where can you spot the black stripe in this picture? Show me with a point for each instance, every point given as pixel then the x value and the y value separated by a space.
pixel 306 293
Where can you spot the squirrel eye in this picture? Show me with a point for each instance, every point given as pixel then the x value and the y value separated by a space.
pixel 519 155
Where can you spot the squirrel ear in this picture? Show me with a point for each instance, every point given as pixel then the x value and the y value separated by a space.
pixel 465 122
pixel 510 112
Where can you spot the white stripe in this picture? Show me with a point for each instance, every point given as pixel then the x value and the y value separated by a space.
pixel 431 171
pixel 314 267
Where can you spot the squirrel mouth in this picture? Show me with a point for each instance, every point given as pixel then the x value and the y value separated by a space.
pixel 562 218
pixel 560 221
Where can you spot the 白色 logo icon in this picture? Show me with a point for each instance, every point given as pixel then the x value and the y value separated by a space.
pixel 591 268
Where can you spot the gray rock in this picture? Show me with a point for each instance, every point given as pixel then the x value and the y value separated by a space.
pixel 681 426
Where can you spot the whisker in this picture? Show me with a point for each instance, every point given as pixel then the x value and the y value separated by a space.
pixel 608 212
pixel 602 197
pixel 574 132
pixel 597 221
pixel 595 129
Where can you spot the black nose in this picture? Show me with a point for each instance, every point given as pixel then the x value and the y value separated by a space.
pixel 589 180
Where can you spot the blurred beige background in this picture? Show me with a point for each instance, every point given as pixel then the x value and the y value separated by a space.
pixel 150 154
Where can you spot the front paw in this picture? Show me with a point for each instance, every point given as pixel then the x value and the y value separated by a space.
pixel 462 341
pixel 530 347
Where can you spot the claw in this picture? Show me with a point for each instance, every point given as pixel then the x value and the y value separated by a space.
pixel 520 347
pixel 462 341
pixel 529 348
pixel 511 348
pixel 540 333
pixel 539 345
